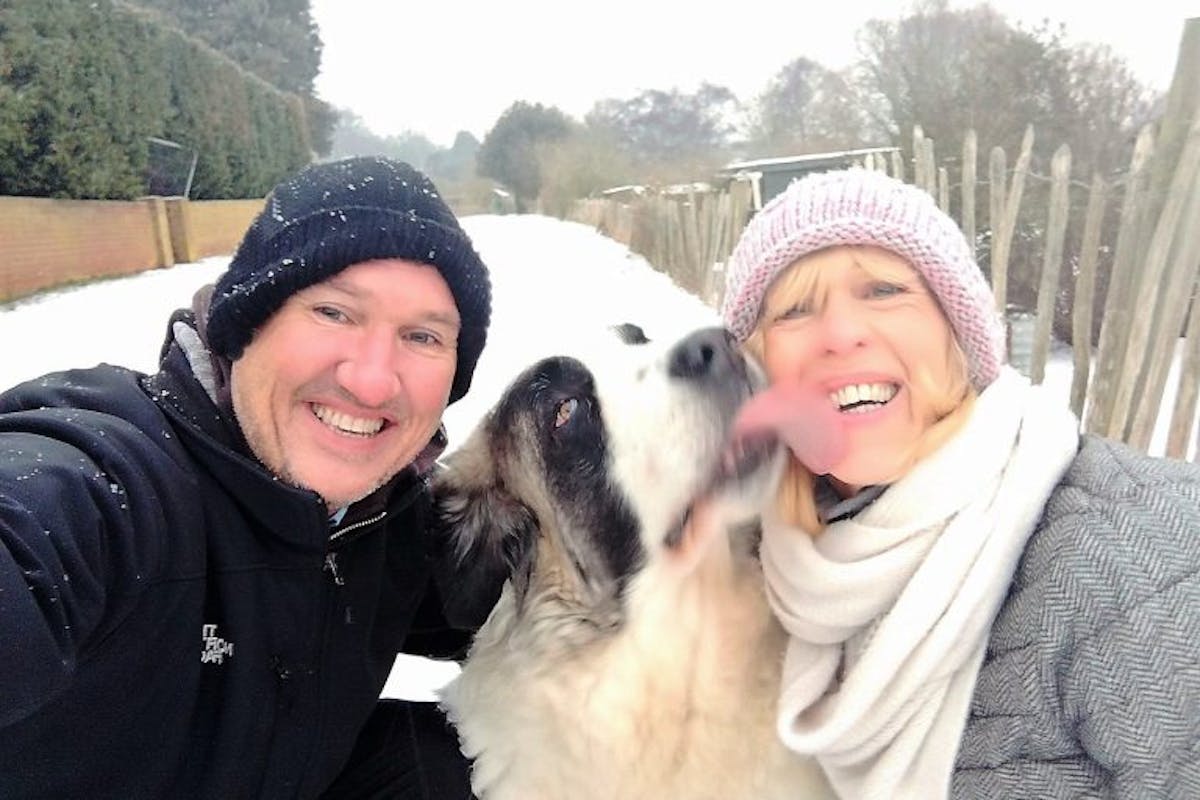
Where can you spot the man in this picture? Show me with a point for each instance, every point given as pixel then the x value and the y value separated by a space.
pixel 206 574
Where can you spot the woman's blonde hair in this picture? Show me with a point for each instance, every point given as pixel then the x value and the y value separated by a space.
pixel 950 402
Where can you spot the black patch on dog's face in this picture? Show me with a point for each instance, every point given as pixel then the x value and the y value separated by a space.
pixel 555 401
pixel 629 333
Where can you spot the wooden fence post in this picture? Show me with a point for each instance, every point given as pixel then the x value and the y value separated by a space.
pixel 1056 230
pixel 918 157
pixel 897 165
pixel 1002 240
pixel 997 187
pixel 1184 414
pixel 1183 99
pixel 930 168
pixel 1118 305
pixel 1085 293
pixel 969 157
pixel 693 250
pixel 162 231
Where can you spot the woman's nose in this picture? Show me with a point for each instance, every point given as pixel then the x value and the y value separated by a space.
pixel 843 325
pixel 370 371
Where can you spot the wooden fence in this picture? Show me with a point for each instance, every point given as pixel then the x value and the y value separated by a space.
pixel 49 243
pixel 684 233
pixel 1118 385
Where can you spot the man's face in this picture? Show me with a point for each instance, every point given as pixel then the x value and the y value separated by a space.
pixel 345 384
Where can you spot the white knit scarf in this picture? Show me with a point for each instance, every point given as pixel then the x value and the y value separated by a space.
pixel 889 612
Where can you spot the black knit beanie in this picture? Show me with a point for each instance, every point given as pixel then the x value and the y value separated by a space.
pixel 337 214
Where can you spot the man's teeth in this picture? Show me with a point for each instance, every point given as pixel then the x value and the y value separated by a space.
pixel 857 393
pixel 346 423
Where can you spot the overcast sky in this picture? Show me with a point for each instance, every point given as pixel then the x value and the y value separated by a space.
pixel 440 67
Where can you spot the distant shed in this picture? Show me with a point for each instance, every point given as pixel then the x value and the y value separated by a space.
pixel 770 176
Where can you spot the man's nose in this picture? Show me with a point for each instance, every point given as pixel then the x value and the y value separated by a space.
pixel 371 370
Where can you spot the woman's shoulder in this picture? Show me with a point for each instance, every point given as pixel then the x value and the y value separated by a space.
pixel 1111 471
pixel 1089 658
pixel 1113 497
pixel 1118 529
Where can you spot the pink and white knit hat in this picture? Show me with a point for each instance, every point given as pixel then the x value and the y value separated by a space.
pixel 865 207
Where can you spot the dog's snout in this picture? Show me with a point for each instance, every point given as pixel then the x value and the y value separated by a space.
pixel 707 354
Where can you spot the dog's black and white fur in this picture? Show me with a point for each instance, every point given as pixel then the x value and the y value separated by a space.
pixel 632 655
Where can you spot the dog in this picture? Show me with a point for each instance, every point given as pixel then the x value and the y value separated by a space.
pixel 632 654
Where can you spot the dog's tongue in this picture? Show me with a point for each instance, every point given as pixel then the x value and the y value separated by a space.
pixel 802 418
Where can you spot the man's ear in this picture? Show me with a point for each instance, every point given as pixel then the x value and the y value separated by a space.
pixel 486 536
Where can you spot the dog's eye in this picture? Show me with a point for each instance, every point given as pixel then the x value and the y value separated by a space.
pixel 565 409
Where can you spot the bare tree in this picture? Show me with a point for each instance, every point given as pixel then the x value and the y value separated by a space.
pixel 808 108
pixel 950 71
pixel 954 71
pixel 670 135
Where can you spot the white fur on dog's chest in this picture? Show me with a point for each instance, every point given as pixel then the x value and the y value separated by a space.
pixel 679 704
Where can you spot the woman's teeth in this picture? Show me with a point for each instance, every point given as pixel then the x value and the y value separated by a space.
pixel 860 397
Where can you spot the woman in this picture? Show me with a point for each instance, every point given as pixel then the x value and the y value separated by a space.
pixel 981 603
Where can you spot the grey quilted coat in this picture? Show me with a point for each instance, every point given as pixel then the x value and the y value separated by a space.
pixel 1090 687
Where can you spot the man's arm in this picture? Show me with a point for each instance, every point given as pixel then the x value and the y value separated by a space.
pixel 81 534
pixel 56 506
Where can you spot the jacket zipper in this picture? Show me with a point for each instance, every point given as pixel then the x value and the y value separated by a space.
pixel 339 537
pixel 340 534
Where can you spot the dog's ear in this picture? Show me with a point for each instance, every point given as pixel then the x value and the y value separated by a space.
pixel 485 536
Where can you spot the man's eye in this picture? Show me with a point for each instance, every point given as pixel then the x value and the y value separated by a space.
pixel 565 410
pixel 330 313
pixel 422 337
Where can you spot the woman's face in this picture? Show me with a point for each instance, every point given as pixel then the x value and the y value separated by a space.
pixel 859 324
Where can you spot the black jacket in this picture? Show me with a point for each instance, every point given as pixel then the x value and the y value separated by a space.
pixel 174 621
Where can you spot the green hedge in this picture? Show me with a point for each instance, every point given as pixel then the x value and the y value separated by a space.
pixel 84 83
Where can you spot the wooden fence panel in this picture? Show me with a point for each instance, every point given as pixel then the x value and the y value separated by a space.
pixel 1173 294
pixel 1153 269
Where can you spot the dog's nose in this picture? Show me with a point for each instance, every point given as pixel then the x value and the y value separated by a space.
pixel 710 353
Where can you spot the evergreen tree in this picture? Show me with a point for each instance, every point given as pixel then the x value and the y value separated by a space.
pixel 275 39
pixel 509 153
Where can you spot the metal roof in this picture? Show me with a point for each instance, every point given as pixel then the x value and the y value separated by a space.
pixel 809 160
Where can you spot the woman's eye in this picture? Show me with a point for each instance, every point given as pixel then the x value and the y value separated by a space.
pixel 565 409
pixel 795 312
pixel 885 289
